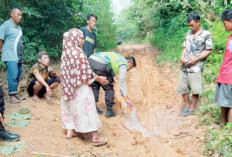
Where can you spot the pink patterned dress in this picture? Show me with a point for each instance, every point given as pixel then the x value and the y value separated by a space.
pixel 78 107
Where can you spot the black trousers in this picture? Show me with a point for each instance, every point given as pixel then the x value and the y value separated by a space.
pixel 2 103
pixel 43 90
pixel 103 70
pixel 2 108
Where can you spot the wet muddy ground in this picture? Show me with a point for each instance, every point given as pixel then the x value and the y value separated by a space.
pixel 150 86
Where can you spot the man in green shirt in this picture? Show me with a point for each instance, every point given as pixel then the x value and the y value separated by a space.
pixel 107 64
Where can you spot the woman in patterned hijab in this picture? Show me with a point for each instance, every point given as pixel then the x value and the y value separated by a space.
pixel 78 107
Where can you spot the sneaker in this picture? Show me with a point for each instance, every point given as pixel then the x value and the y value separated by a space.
pixel 14 100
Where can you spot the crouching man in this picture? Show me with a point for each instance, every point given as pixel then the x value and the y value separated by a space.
pixel 42 79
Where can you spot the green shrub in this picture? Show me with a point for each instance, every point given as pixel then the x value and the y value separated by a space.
pixel 218 142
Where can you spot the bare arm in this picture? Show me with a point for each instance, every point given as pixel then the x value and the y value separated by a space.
pixel 50 69
pixel 122 84
pixel 203 56
pixel 182 59
pixel 94 50
pixel 102 80
pixel 0 46
pixel 43 82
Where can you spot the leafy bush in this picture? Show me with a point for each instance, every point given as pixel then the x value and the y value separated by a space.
pixel 44 23
pixel 218 142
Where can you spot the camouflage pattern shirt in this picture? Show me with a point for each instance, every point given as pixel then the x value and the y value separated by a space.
pixel 195 47
pixel 37 68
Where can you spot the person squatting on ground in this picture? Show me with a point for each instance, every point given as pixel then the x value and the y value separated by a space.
pixel 108 64
pixel 42 79
pixel 197 47
pixel 5 135
pixel 11 47
pixel 90 44
pixel 78 107
pixel 223 94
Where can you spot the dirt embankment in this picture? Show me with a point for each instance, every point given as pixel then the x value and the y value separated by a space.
pixel 152 88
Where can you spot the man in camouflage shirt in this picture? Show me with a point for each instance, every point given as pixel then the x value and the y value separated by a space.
pixel 197 47
pixel 42 79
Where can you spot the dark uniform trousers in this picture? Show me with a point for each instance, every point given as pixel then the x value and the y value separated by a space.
pixel 103 70
pixel 2 103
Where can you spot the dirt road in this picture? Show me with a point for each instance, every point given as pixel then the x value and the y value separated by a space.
pixel 151 87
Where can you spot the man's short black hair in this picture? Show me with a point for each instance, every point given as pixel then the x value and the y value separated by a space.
pixel 227 15
pixel 132 59
pixel 15 7
pixel 193 17
pixel 91 15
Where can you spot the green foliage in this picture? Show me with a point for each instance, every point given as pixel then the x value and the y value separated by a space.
pixel 214 61
pixel 218 142
pixel 44 23
pixel 209 114
pixel 135 23
pixel 219 36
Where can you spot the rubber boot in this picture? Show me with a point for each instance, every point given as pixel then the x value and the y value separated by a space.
pixel 100 112
pixel 7 136
pixel 110 112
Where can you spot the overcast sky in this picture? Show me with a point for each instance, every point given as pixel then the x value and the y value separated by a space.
pixel 118 5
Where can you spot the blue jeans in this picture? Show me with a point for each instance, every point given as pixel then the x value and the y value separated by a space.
pixel 14 72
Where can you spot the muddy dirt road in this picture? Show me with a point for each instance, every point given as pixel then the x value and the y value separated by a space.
pixel 151 87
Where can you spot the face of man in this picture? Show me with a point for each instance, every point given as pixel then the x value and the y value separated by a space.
pixel 44 60
pixel 92 22
pixel 130 65
pixel 227 25
pixel 194 26
pixel 16 15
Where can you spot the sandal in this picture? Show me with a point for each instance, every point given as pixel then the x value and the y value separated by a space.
pixel 21 97
pixel 14 100
pixel 182 112
pixel 100 142
pixel 47 97
pixel 187 113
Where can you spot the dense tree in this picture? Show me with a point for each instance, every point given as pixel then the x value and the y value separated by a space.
pixel 44 23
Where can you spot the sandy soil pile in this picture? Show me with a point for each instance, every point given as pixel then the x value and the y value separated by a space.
pixel 151 87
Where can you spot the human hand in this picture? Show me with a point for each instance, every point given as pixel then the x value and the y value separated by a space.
pixel 2 120
pixel 129 102
pixel 102 80
pixel 49 91
pixel 192 62
pixel 51 70
pixel 182 60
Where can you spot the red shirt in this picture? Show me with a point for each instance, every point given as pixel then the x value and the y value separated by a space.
pixel 225 74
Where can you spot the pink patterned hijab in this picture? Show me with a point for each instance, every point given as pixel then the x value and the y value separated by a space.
pixel 75 69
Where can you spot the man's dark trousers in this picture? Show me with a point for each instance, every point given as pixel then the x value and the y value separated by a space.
pixel 103 70
pixel 2 109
